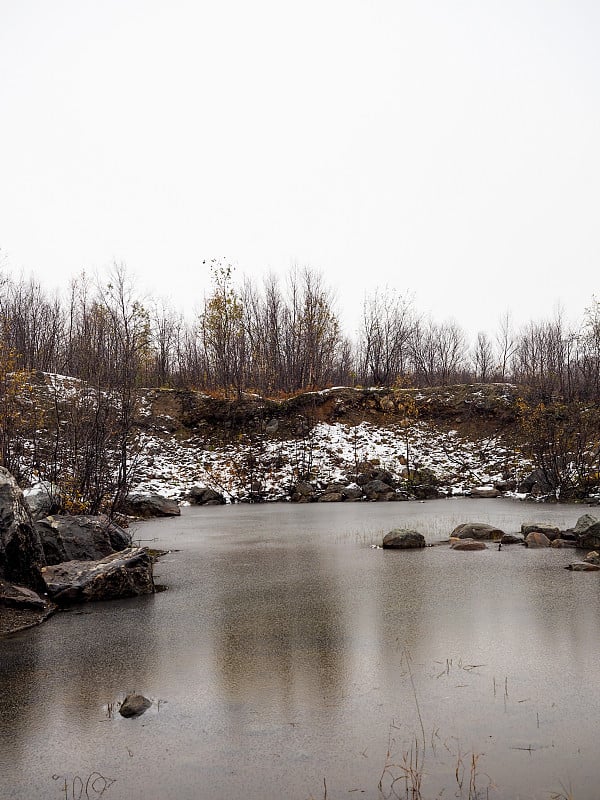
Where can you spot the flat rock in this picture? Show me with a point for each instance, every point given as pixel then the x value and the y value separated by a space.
pixel 583 566
pixel 512 538
pixel 477 530
pixel 124 574
pixel 485 491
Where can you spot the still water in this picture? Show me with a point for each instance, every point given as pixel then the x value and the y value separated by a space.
pixel 291 659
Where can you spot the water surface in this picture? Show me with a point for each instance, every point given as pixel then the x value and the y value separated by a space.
pixel 289 658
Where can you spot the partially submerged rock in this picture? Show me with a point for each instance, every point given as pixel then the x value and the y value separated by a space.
pixel 477 530
pixel 124 574
pixel 403 539
pixel 134 705
pixel 150 505
pixel 583 566
pixel 80 538
pixel 512 538
pixel 13 596
pixel 485 491
pixel 467 544
pixel 537 539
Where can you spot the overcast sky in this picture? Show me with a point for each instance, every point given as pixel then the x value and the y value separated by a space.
pixel 447 149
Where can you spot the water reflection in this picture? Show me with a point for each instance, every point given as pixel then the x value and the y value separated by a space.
pixel 283 647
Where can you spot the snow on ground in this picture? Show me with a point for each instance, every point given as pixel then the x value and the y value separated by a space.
pixel 329 453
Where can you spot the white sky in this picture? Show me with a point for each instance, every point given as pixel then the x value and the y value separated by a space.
pixel 448 149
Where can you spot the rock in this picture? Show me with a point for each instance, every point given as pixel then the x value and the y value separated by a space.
pixel 536 539
pixel 21 552
pixel 477 530
pixel 80 538
pixel 43 498
pixel 330 497
pixel 550 531
pixel 512 538
pixel 20 597
pixel 302 492
pixel 403 539
pixel 535 483
pixel 150 505
pixel 593 557
pixel 467 544
pixel 378 490
pixel 203 496
pixel 485 491
pixel 587 530
pixel 124 574
pixel 352 492
pixel 583 566
pixel 505 486
pixel 134 705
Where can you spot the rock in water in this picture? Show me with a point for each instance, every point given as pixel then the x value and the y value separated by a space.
pixel 403 539
pixel 150 505
pixel 134 705
pixel 124 574
pixel 477 530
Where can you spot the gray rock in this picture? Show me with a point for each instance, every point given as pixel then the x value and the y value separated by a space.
pixel 80 538
pixel 551 531
pixel 124 574
pixel 378 490
pixel 593 557
pixel 20 597
pixel 134 705
pixel 403 539
pixel 477 530
pixel 587 530
pixel 583 566
pixel 150 505
pixel 203 496
pixel 43 498
pixel 21 553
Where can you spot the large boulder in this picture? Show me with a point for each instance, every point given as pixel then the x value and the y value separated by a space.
pixel 80 538
pixel 403 539
pixel 587 531
pixel 43 498
pixel 537 539
pixel 21 552
pixel 134 705
pixel 477 530
pixel 378 490
pixel 551 531
pixel 150 505
pixel 203 496
pixel 124 574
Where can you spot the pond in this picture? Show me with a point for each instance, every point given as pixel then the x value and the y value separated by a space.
pixel 289 658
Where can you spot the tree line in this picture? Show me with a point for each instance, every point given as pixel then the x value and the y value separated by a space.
pixel 276 338
pixel 281 336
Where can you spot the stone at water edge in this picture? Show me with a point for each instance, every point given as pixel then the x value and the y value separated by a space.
pixel 21 552
pixel 80 538
pixel 467 544
pixel 550 531
pixel 150 505
pixel 124 574
pixel 134 705
pixel 587 530
pixel 403 539
pixel 512 538
pixel 536 539
pixel 593 557
pixel 477 530
pixel 583 566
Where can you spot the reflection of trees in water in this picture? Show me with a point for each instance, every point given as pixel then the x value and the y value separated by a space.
pixel 20 709
pixel 279 628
